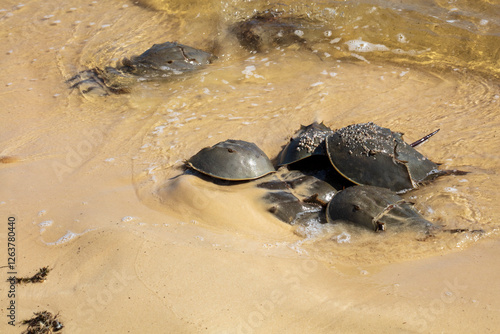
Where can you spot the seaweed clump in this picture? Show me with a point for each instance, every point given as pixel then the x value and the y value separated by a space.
pixel 39 277
pixel 43 323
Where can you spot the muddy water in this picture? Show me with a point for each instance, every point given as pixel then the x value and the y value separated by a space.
pixel 98 188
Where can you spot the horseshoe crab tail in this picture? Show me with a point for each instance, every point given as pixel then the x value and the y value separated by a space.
pixel 423 139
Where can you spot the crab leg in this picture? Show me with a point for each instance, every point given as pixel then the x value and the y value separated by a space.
pixel 423 139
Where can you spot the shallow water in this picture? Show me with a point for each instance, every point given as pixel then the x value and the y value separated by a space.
pixel 108 171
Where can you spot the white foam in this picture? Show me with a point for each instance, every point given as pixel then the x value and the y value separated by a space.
pixel 311 229
pixel 299 33
pixel 46 223
pixel 360 57
pixel 401 38
pixel 66 238
pixel 343 238
pixel 297 247
pixel 359 45
pixel 249 72
pixel 159 129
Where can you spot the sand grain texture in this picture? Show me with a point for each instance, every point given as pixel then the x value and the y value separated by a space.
pixel 96 188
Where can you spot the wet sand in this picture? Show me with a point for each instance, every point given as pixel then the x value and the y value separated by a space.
pixel 95 188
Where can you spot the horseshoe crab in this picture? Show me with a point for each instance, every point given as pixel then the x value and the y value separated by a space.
pixel 367 151
pixel 294 197
pixel 291 196
pixel 308 141
pixel 160 62
pixel 269 29
pixel 232 160
pixel 374 208
pixel 372 155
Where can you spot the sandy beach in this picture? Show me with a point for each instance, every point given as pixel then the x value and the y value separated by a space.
pixel 98 193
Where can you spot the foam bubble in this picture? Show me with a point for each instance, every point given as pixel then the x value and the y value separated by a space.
pixel 159 129
pixel 46 223
pixel 297 247
pixel 310 229
pixel 359 45
pixel 343 238
pixel 401 38
pixel 299 33
pixel 66 238
pixel 248 71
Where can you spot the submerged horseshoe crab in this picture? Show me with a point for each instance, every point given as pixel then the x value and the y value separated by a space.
pixel 270 29
pixel 375 208
pixel 160 62
pixel 294 197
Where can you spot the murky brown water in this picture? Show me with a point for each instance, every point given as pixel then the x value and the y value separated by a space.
pixel 93 175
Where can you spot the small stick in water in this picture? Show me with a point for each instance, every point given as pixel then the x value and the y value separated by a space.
pixel 423 139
